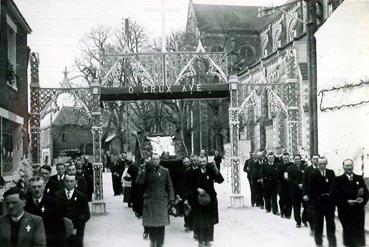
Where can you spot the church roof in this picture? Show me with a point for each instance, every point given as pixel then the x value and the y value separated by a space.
pixel 230 18
pixel 68 116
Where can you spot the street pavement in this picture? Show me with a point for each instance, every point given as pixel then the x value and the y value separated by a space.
pixel 246 226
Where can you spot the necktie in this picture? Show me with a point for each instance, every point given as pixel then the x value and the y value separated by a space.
pixel 351 178
pixel 36 203
pixel 68 195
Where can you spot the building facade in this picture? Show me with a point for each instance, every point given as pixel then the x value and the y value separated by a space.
pixel 270 53
pixel 343 86
pixel 14 54
pixel 69 135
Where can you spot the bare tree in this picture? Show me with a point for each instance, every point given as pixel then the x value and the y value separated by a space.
pixel 95 49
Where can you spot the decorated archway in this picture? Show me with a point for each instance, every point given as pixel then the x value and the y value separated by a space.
pixel 172 76
pixel 277 82
pixel 157 76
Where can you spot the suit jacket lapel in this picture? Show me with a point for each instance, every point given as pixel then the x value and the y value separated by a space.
pixel 23 226
pixel 154 175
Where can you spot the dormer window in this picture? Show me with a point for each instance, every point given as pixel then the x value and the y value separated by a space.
pixel 265 44
pixel 265 52
pixel 12 53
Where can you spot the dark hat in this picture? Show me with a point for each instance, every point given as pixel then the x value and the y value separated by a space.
pixel 14 191
pixel 203 199
pixel 46 167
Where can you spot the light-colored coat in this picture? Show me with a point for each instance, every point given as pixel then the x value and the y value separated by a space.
pixel 158 191
pixel 31 231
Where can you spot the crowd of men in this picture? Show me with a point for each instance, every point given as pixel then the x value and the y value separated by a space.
pixel 53 210
pixel 154 188
pixel 312 191
pixel 49 210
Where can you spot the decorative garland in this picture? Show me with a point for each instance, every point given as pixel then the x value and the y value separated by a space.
pixel 346 86
pixel 23 171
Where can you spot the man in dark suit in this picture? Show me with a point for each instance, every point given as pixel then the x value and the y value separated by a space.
pixel 285 202
pixel 81 184
pixel 269 174
pixel 74 205
pixel 351 195
pixel 295 175
pixel 88 172
pixel 44 206
pixel 79 169
pixel 17 227
pixel 218 159
pixel 51 186
pixel 305 190
pixel 320 189
pixel 117 169
pixel 258 185
pixel 59 176
pixel 250 168
pixel 188 188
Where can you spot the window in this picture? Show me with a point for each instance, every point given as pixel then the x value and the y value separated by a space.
pixel 12 52
pixel 267 105
pixel 64 137
pixel 247 53
pixel 7 144
pixel 265 52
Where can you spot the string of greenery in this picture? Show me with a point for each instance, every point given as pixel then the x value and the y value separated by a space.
pixel 346 86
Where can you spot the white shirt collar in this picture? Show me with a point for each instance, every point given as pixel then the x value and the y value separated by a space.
pixel 17 219
pixel 38 199
pixel 69 191
pixel 350 176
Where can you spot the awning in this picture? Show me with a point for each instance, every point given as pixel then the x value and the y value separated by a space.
pixel 110 137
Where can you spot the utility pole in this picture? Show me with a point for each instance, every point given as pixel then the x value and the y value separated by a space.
pixel 312 68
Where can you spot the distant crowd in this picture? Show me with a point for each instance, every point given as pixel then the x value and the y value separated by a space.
pixel 280 184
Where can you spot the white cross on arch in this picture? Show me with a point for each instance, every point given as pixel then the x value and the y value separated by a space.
pixel 162 9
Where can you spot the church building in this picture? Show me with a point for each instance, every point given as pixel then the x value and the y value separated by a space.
pixel 268 48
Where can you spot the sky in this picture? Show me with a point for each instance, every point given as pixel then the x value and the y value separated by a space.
pixel 59 25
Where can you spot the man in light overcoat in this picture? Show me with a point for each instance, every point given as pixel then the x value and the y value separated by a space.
pixel 158 194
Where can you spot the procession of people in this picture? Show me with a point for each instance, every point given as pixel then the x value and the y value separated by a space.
pixel 154 196
pixel 313 193
pixel 54 209
pixel 48 210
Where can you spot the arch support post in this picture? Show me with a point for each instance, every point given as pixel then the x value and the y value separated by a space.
pixel 293 112
pixel 237 199
pixel 35 109
pixel 98 203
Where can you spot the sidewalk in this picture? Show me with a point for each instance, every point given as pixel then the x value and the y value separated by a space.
pixel 246 226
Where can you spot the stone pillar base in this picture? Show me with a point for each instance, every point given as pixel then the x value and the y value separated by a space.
pixel 98 207
pixel 237 201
